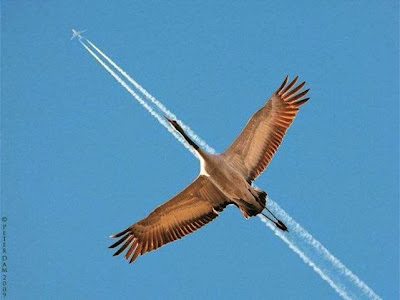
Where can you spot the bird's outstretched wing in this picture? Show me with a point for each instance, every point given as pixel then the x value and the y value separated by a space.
pixel 193 208
pixel 253 150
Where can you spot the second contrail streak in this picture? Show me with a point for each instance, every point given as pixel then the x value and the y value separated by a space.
pixel 311 251
pixel 305 258
pixel 140 100
pixel 157 103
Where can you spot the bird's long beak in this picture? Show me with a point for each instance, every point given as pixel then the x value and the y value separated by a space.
pixel 178 128
pixel 176 125
pixel 172 122
pixel 169 120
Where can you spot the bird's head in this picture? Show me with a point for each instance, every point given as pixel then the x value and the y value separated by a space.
pixel 176 125
pixel 178 128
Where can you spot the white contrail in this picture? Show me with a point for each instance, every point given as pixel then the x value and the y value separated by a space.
pixel 311 251
pixel 166 111
pixel 141 101
pixel 305 258
pixel 335 268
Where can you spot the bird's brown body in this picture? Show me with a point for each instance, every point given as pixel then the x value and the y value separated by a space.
pixel 232 184
pixel 224 178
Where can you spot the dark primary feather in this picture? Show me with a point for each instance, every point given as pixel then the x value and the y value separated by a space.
pixel 253 150
pixel 193 208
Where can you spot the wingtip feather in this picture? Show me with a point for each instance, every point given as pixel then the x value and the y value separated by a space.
pixel 120 241
pixel 283 84
pixel 301 102
pixel 117 235
pixel 290 85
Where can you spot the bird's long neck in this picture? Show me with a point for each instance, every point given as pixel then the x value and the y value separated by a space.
pixel 188 139
pixel 200 152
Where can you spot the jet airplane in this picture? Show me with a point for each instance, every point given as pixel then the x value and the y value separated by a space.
pixel 78 34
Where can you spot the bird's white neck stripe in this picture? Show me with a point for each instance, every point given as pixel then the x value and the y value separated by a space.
pixel 202 166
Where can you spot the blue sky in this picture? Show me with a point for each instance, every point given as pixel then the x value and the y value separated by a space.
pixel 81 160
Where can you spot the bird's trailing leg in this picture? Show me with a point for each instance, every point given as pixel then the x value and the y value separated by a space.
pixel 278 223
